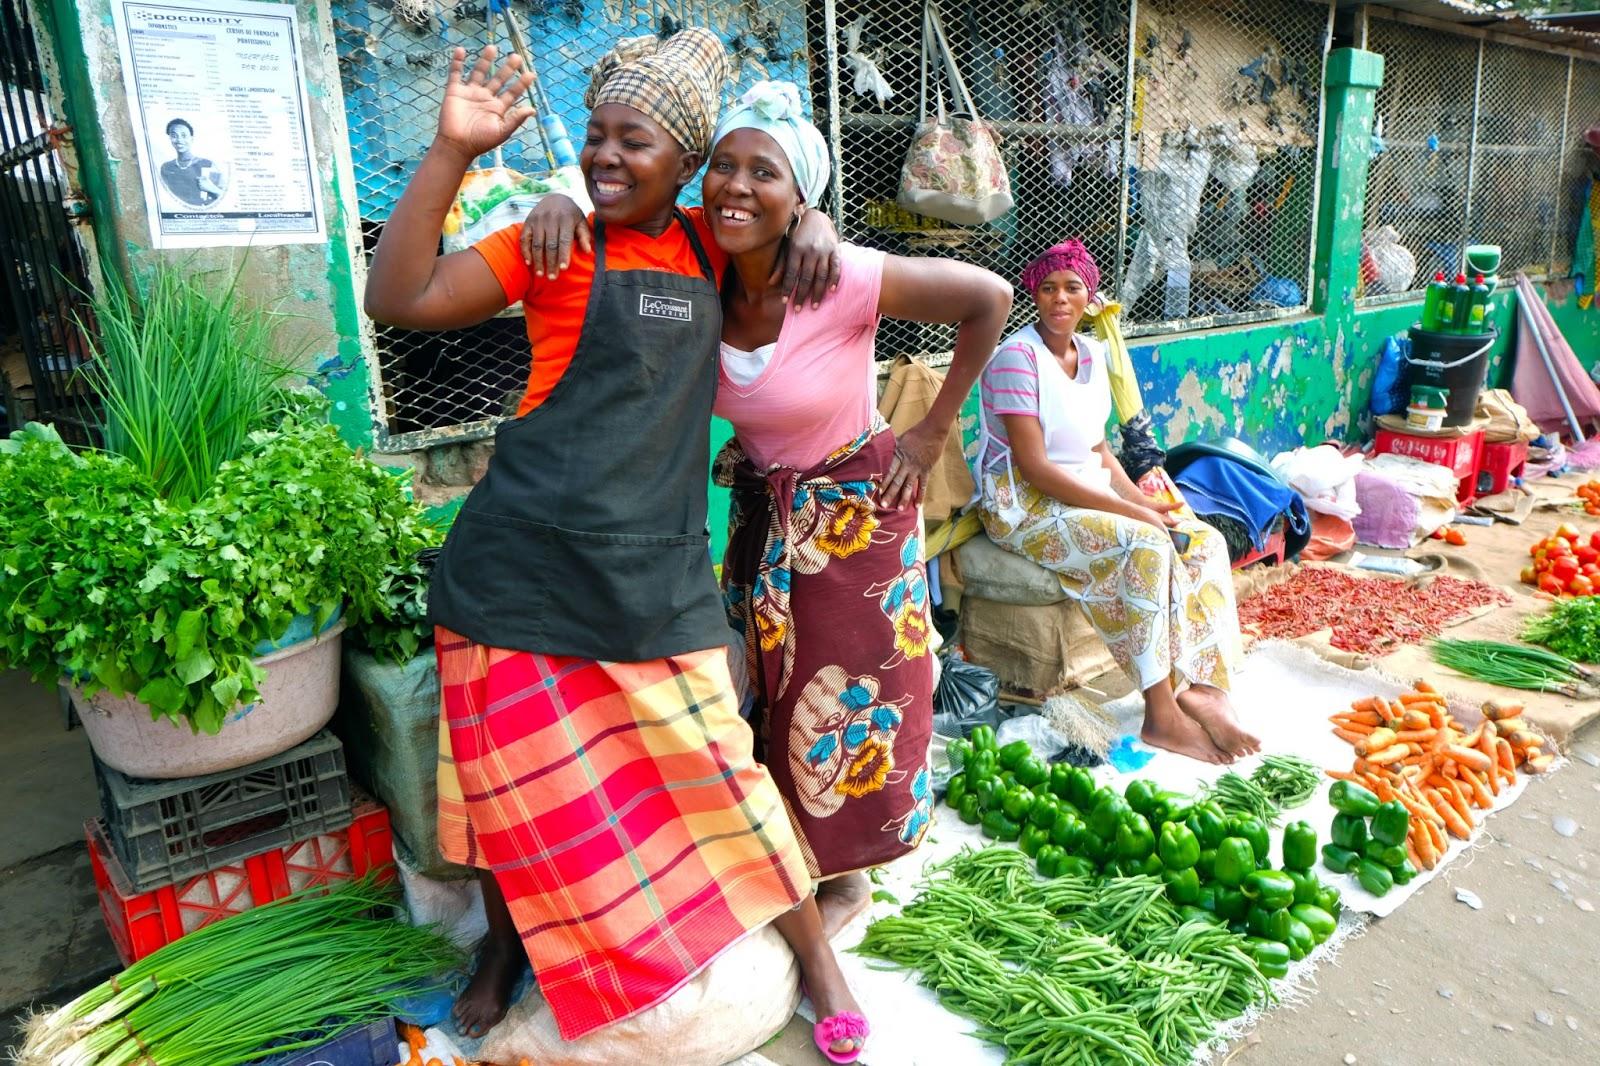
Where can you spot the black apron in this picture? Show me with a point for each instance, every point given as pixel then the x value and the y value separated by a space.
pixel 587 536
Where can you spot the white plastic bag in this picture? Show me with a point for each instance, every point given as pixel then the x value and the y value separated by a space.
pixel 1324 478
pixel 1042 738
pixel 1395 266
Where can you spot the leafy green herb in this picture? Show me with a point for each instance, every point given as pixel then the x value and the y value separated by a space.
pixel 105 580
pixel 1571 628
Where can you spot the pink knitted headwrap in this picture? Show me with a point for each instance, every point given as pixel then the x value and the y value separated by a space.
pixel 1068 255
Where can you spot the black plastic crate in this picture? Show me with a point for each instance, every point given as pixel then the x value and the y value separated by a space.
pixel 165 831
pixel 373 1044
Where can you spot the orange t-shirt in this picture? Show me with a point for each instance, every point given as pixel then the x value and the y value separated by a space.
pixel 554 310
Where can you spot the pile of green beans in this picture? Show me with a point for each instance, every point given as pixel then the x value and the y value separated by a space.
pixel 1288 779
pixel 1068 971
pixel 1241 795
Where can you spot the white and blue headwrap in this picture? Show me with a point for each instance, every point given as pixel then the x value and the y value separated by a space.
pixel 773 107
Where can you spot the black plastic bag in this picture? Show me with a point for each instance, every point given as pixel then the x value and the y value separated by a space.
pixel 968 696
pixel 1140 452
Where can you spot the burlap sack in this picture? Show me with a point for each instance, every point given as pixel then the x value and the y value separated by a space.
pixel 731 1008
pixel 1035 651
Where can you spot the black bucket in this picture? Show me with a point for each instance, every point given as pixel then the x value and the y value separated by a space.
pixel 1450 361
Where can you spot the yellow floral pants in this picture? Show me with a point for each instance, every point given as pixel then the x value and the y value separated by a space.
pixel 1161 614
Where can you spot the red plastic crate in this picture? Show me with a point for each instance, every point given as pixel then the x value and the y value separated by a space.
pixel 1460 454
pixel 141 922
pixel 1501 462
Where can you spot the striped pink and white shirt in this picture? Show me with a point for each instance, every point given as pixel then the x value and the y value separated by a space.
pixel 1073 423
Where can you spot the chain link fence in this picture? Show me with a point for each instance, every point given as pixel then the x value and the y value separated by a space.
pixel 1478 144
pixel 1579 166
pixel 1178 140
pixel 393 57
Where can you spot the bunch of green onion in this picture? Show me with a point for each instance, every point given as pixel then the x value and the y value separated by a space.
pixel 1511 665
pixel 284 976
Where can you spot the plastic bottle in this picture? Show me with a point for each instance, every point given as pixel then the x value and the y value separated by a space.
pixel 1460 305
pixel 1479 308
pixel 1437 290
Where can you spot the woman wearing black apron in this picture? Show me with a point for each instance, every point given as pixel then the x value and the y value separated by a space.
pixel 593 765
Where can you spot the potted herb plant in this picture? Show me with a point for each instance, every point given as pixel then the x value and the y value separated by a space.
pixel 192 579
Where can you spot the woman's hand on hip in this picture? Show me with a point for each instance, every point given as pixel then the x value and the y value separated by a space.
pixel 549 232
pixel 915 452
pixel 481 111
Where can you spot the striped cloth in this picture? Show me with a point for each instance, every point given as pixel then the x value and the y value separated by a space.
pixel 620 809
pixel 678 82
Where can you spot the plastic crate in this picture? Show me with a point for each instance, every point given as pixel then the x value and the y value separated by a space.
pixel 1461 455
pixel 142 921
pixel 1501 463
pixel 373 1044
pixel 165 831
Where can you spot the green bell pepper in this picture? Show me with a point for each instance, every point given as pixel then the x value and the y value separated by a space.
pixel 957 752
pixel 1374 877
pixel 982 738
pixel 1048 860
pixel 1081 789
pixel 1255 832
pixel 1328 899
pixel 1306 886
pixel 1208 898
pixel 969 811
pixel 1109 811
pixel 1271 957
pixel 1183 886
pixel 1271 889
pixel 1236 860
pixel 1002 827
pixel 1299 846
pixel 1270 924
pixel 1300 940
pixel 1171 807
pixel 1404 873
pixel 1046 808
pixel 1017 802
pixel 1179 849
pixel 1348 797
pixel 1032 773
pixel 1032 839
pixel 1208 823
pixel 980 767
pixel 1320 922
pixel 1231 904
pixel 1060 778
pixel 1068 830
pixel 955 791
pixel 989 791
pixel 1134 838
pixel 1142 796
pixel 1078 866
pixel 1206 863
pixel 1149 866
pixel 1098 849
pixel 1197 914
pixel 1390 855
pixel 1391 824
pixel 1349 832
pixel 1008 779
pixel 1011 755
pixel 1339 860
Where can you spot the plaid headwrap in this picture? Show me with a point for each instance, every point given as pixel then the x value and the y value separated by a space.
pixel 678 82
pixel 1068 255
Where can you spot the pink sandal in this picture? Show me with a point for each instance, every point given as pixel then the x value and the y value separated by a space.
pixel 846 1025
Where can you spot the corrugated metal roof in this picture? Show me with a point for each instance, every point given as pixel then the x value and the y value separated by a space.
pixel 1509 23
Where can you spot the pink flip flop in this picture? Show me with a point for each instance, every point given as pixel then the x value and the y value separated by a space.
pixel 846 1025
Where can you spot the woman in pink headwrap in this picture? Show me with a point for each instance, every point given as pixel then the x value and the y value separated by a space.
pixel 1157 589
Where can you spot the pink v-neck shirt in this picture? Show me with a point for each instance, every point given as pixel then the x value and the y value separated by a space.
pixel 820 389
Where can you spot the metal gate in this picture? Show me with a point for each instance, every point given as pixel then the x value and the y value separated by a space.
pixel 41 338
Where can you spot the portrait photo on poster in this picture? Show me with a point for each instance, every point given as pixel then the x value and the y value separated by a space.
pixel 194 175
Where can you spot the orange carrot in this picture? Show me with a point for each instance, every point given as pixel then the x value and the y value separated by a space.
pixel 1436 836
pixel 1392 754
pixel 1469 757
pixel 1508 759
pixel 1349 737
pixel 1416 736
pixel 1367 705
pixel 1480 794
pixel 1419 699
pixel 1452 817
pixel 1427 856
pixel 1376 740
pixel 1422 685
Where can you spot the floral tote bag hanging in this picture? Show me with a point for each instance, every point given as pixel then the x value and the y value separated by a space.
pixel 954 170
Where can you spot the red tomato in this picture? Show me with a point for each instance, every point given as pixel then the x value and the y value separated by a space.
pixel 1585 554
pixel 1580 586
pixel 1555 547
pixel 1565 569
pixel 1589 570
pixel 1567 531
pixel 1530 576
pixel 1537 546
pixel 1551 584
pixel 1594 541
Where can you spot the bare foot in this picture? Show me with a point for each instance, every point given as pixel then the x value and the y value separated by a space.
pixel 830 994
pixel 1181 734
pixel 483 1003
pixel 840 899
pixel 1211 708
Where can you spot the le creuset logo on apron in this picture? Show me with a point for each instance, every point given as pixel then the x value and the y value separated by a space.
pixel 665 307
